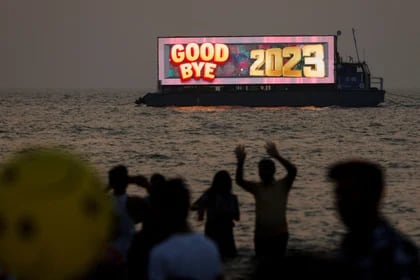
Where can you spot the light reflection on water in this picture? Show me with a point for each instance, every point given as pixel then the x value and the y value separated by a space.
pixel 224 108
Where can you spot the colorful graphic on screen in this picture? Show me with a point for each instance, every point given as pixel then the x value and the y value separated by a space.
pixel 246 60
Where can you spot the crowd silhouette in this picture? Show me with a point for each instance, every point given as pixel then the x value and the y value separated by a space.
pixel 152 238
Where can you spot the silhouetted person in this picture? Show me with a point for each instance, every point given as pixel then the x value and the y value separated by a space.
pixel 183 254
pixel 129 210
pixel 222 209
pixel 148 236
pixel 157 180
pixel 271 230
pixel 372 248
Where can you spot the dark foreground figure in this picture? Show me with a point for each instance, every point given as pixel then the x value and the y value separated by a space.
pixel 183 254
pixel 372 248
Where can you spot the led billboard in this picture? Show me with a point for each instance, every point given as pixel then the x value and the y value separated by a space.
pixel 246 60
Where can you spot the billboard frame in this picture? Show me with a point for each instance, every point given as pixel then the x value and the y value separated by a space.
pixel 330 40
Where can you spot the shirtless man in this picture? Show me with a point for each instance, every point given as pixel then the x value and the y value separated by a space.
pixel 271 231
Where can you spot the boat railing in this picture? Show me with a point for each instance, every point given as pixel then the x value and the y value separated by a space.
pixel 378 81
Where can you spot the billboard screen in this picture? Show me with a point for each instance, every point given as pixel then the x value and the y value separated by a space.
pixel 246 60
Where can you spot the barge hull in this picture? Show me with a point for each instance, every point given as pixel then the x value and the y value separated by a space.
pixel 341 98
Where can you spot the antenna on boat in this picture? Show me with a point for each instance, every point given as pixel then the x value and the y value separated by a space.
pixel 355 44
pixel 338 58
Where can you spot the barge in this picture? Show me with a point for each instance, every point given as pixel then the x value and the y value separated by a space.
pixel 260 71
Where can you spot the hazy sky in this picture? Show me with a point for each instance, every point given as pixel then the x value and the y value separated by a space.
pixel 112 44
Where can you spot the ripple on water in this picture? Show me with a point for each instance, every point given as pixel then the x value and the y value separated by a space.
pixel 109 129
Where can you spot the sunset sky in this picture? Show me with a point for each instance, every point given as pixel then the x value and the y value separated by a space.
pixel 112 44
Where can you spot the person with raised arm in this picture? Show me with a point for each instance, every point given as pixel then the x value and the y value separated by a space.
pixel 271 231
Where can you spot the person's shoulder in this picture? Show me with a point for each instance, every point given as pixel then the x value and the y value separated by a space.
pixel 163 248
pixel 207 248
pixel 195 241
pixel 285 182
pixel 204 240
pixel 388 236
pixel 204 197
pixel 201 201
pixel 405 246
pixel 195 236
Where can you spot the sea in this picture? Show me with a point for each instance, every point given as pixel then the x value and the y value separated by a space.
pixel 107 128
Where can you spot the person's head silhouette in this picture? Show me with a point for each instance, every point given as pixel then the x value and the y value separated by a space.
pixel 156 180
pixel 118 179
pixel 266 170
pixel 171 204
pixel 222 182
pixel 358 190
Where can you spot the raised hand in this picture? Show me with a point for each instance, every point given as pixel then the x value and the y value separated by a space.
pixel 240 153
pixel 271 149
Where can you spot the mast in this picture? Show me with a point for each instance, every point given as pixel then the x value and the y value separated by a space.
pixel 337 54
pixel 355 45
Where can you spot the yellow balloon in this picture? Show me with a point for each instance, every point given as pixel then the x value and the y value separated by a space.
pixel 55 217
